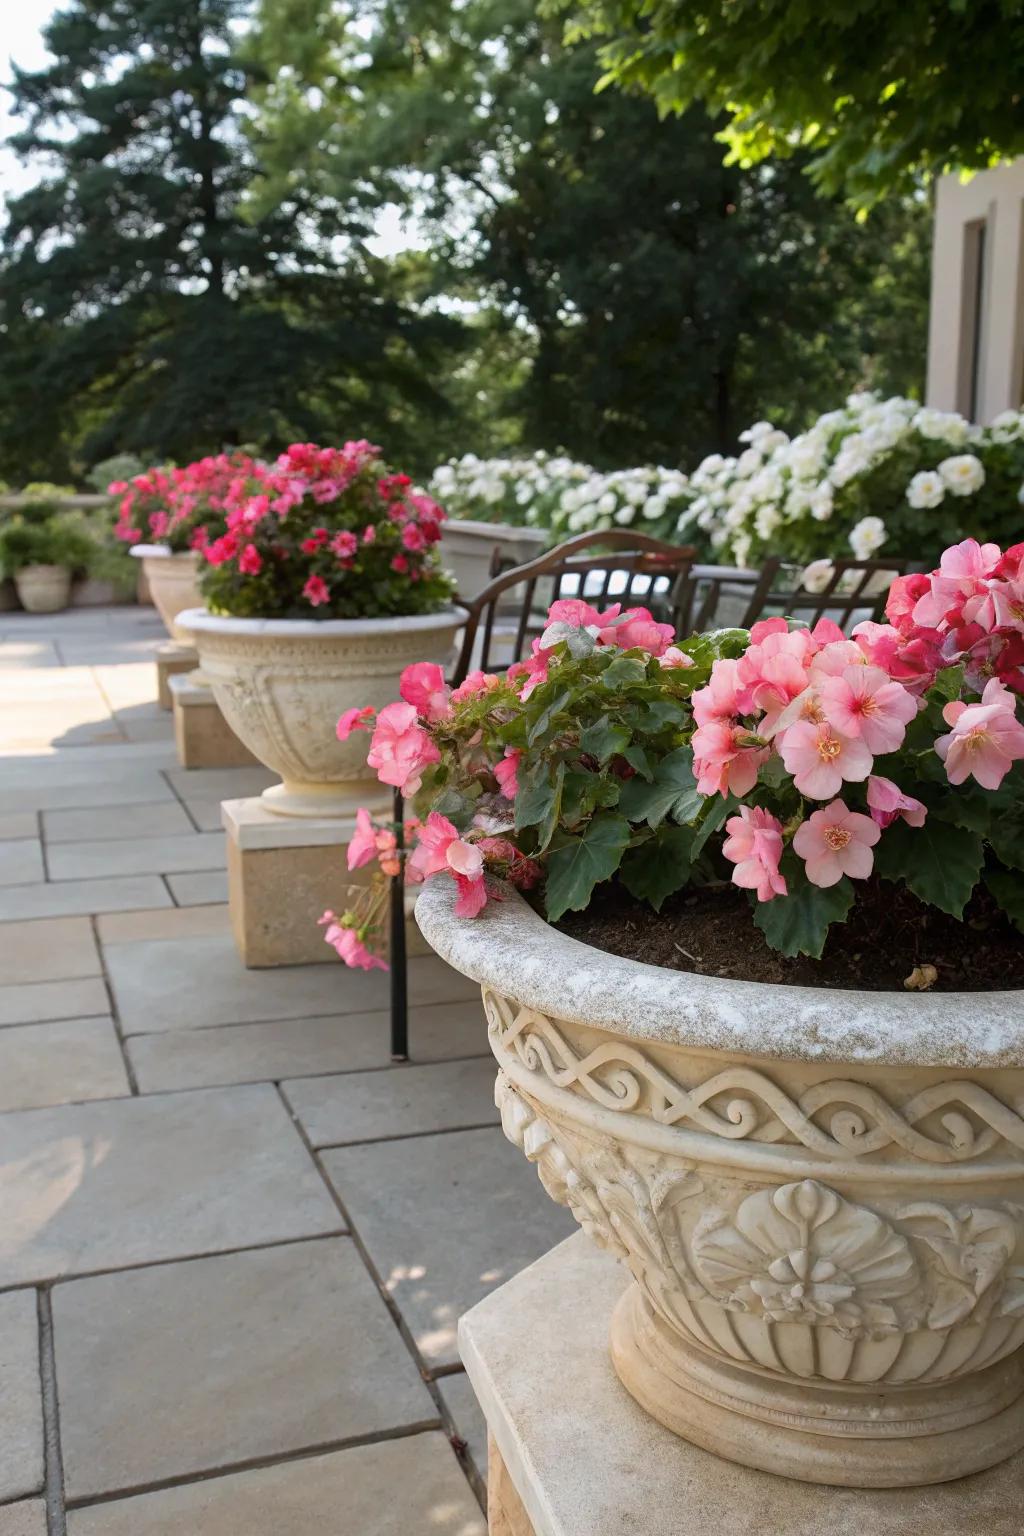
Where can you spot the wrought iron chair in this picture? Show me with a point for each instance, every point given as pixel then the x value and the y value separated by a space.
pixel 631 568
pixel 855 590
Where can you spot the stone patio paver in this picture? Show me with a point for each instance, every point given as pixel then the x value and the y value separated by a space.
pixel 27 1518
pixel 21 1397
pixel 407 1487
pixel 187 1367
pixel 18 824
pixel 163 923
pixel 135 856
pixel 67 898
pixel 366 1106
pixel 291 1048
pixel 55 949
pixel 61 1063
pixel 174 984
pixel 21 861
pixel 445 1220
pixel 134 1181
pixel 162 818
pixel 35 1001
pixel 203 888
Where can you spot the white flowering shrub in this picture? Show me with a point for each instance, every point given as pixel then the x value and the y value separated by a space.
pixel 556 493
pixel 879 477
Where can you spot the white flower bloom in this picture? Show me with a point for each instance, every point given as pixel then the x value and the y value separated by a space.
pixel 607 503
pixel 741 548
pixel 851 461
pixel 817 575
pixel 867 537
pixel 963 474
pixel 758 430
pixel 748 463
pixel 655 506
pixel 767 521
pixel 1006 427
pixel 770 442
pixel 926 489
pixel 942 426
pixel 625 514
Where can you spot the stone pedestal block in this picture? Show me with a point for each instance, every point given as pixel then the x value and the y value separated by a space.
pixel 283 872
pixel 172 658
pixel 572 1454
pixel 201 734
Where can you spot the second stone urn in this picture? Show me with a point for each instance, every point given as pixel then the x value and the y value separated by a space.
pixel 819 1195
pixel 282 684
pixel 173 581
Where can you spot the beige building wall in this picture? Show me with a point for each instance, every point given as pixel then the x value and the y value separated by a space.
pixel 976 330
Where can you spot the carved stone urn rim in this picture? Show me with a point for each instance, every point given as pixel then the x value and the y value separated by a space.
pixel 201 621
pixel 510 948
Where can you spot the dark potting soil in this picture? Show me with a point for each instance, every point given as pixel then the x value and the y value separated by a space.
pixel 888 934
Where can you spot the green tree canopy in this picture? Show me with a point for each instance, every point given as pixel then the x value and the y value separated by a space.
pixel 666 299
pixel 877 90
pixel 141 308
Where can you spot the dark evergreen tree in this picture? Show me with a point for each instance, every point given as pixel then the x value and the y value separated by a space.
pixel 142 307
pixel 670 299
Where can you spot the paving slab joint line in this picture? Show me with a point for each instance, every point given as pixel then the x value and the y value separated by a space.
pixel 56 1525
pixel 440 1130
pixel 165 775
pixel 186 1258
pixel 258 1463
pixel 167 888
pixel 133 1083
pixel 426 1374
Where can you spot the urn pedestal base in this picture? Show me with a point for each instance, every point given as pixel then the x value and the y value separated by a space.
pixel 202 736
pixel 574 1455
pixel 172 658
pixel 901 1437
pixel 283 873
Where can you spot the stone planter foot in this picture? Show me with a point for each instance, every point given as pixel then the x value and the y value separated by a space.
pixel 819 1434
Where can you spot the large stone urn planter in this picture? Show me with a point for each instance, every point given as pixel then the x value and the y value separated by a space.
pixel 173 581
pixel 281 685
pixel 819 1195
pixel 467 549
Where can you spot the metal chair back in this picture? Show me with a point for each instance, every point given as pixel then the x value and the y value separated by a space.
pixel 855 590
pixel 633 569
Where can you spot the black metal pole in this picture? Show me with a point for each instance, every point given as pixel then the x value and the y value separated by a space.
pixel 399 968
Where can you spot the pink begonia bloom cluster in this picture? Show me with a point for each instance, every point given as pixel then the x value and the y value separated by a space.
pixel 188 507
pixel 828 706
pixel 401 749
pixel 346 938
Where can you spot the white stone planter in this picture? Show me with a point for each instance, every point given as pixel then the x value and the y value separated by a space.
pixel 43 588
pixel 282 684
pixel 173 581
pixel 820 1195
pixel 467 549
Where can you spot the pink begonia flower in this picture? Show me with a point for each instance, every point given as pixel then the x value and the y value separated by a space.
pixel 534 669
pixel 349 946
pixel 754 844
pixel 986 739
pixel 723 759
pixel 354 720
pixel 834 842
pixel 962 570
pixel 880 643
pixel 250 561
pixel 819 757
pixel 863 702
pixel 423 685
pixel 344 544
pixel 369 842
pixel 641 631
pixel 827 632
pixel 581 615
pixel 315 591
pixel 765 627
pixel 674 657
pixel 440 847
pixel 834 658
pixel 772 682
pixel 719 699
pixel 400 749
pixel 886 801
pixel 523 872
pixel 476 683
pixel 506 772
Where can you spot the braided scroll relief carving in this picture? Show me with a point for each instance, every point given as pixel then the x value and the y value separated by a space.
pixel 837 1119
pixel 797 1253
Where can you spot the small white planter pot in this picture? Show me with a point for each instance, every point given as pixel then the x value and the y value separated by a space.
pixel 281 685
pixel 173 581
pixel 43 588
pixel 820 1195
pixel 467 549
